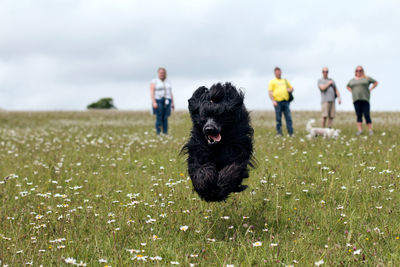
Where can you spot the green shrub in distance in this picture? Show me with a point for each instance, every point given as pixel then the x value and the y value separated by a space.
pixel 103 103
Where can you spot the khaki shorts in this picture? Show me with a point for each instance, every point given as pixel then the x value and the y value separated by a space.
pixel 328 110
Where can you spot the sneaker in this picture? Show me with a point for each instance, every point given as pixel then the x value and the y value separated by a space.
pixel 371 132
pixel 359 133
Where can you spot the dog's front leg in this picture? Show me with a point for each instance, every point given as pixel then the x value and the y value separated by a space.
pixel 204 180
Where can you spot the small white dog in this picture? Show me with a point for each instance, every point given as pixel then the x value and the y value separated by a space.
pixel 324 132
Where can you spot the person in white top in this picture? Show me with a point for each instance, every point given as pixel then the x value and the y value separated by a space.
pixel 162 100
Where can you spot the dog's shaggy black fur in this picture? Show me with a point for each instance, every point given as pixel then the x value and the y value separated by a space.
pixel 220 148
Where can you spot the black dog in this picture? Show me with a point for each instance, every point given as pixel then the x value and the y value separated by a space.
pixel 220 148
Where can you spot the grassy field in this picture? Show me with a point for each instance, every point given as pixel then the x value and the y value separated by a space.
pixel 100 189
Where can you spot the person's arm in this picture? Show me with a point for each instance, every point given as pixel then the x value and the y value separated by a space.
pixel 338 96
pixel 272 98
pixel 172 102
pixel 325 86
pixel 336 92
pixel 289 86
pixel 152 95
pixel 375 84
pixel 348 88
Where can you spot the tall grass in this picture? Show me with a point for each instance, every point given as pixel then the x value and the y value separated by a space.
pixel 99 188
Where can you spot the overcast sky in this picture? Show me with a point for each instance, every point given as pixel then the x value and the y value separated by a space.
pixel 63 55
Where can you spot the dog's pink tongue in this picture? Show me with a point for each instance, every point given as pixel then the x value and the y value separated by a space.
pixel 216 138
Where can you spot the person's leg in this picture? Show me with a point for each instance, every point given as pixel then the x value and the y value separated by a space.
pixel 158 116
pixel 278 118
pixel 324 113
pixel 330 122
pixel 166 113
pixel 164 120
pixel 331 114
pixel 358 109
pixel 368 116
pixel 324 122
pixel 288 118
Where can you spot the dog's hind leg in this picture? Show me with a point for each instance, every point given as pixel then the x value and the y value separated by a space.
pixel 230 179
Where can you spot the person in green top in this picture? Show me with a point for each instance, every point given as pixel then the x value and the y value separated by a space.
pixel 360 89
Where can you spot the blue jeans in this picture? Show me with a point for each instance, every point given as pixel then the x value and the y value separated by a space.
pixel 283 107
pixel 162 113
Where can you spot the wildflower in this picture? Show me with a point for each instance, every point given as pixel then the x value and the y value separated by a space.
pixel 156 258
pixel 357 252
pixel 102 260
pixel 70 261
pixel 273 245
pixel 318 263
pixel 184 228
pixel 174 263
pixel 257 244
pixel 140 257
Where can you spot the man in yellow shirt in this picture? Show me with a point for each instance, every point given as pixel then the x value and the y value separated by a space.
pixel 278 91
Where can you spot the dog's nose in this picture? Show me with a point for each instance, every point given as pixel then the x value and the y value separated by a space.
pixel 208 129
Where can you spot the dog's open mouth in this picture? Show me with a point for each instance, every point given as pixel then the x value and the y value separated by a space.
pixel 213 139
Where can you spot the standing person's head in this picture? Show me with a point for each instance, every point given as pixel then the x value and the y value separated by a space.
pixel 360 72
pixel 162 73
pixel 325 72
pixel 277 72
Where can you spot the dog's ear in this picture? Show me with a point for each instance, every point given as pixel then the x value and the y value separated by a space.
pixel 236 98
pixel 240 98
pixel 197 97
